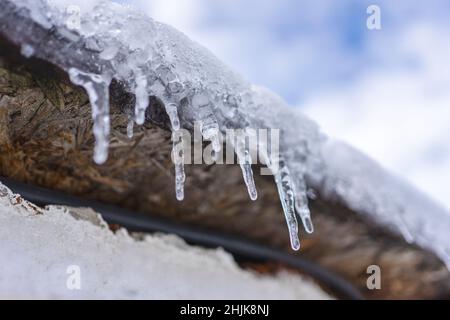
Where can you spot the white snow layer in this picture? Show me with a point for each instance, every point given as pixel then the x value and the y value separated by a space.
pixel 43 251
pixel 151 58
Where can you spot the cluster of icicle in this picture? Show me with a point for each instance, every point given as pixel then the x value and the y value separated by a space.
pixel 153 59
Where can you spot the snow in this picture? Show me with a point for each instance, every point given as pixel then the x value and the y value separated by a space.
pixel 42 249
pixel 151 58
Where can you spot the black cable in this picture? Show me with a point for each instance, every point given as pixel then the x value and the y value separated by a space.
pixel 240 248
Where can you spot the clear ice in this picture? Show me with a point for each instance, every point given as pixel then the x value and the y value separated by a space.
pixel 245 162
pixel 142 98
pixel 301 203
pixel 97 88
pixel 130 127
pixel 178 159
pixel 287 197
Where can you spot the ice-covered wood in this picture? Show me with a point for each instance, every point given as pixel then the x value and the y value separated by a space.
pixel 47 139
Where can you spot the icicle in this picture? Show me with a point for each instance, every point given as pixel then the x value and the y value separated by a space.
pixel 210 131
pixel 130 127
pixel 301 204
pixel 178 159
pixel 177 147
pixel 142 99
pixel 293 196
pixel 249 181
pixel 180 178
pixel 245 161
pixel 172 112
pixel 287 197
pixel 208 122
pixel 97 87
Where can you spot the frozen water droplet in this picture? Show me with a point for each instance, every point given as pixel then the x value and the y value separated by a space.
pixel 97 88
pixel 27 51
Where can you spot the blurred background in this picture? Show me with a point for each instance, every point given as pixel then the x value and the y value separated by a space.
pixel 387 91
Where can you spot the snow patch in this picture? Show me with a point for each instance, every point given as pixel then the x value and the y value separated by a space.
pixel 41 246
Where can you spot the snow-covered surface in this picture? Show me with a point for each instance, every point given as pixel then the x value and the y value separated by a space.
pixel 151 58
pixel 42 251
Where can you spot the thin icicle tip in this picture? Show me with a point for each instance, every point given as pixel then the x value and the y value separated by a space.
pixel 286 192
pixel 301 204
pixel 247 173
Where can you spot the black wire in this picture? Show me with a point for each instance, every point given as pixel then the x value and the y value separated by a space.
pixel 240 248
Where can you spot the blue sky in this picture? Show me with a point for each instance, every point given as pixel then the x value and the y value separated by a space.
pixel 296 48
pixel 384 91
